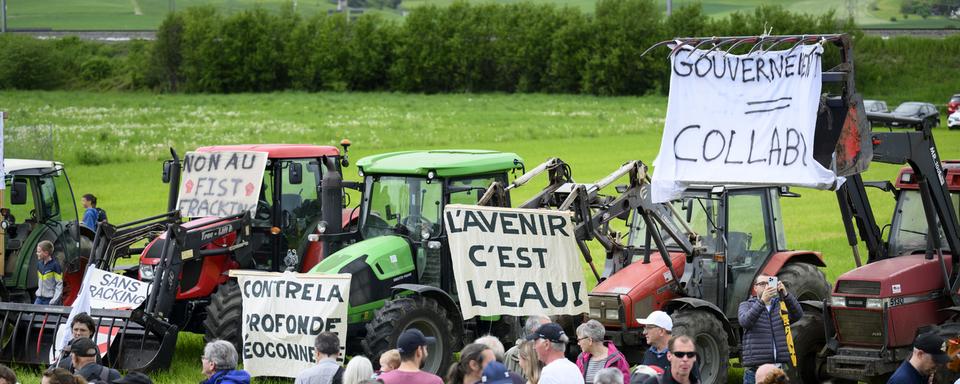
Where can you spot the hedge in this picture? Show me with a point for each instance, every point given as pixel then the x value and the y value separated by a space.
pixel 464 47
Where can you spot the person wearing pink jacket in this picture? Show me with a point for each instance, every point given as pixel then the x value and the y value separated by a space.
pixel 598 354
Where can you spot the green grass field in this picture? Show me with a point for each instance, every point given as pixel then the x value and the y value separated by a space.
pixel 147 14
pixel 112 144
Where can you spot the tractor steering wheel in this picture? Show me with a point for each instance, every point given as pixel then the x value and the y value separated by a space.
pixel 416 221
pixel 263 210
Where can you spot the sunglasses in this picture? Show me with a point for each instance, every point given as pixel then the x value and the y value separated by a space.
pixel 682 355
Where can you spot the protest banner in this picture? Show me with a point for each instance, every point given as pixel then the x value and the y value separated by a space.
pixel 282 315
pixel 741 119
pixel 516 262
pixel 220 183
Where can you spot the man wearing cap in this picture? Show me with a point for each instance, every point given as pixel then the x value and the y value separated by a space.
pixel 550 344
pixel 84 351
pixel 496 373
pixel 412 345
pixel 929 350
pixel 657 329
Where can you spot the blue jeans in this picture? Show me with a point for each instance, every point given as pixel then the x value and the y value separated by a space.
pixel 42 300
pixel 749 376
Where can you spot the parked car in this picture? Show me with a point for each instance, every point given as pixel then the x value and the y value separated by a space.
pixel 919 114
pixel 953 121
pixel 952 105
pixel 875 106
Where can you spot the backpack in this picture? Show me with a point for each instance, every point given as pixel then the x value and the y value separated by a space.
pixel 101 215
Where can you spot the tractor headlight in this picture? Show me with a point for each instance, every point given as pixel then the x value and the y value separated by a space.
pixel 611 314
pixel 874 303
pixel 146 272
pixel 838 301
pixel 595 313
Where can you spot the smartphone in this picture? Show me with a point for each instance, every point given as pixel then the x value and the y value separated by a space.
pixel 772 282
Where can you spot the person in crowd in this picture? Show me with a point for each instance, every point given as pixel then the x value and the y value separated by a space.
pixel 389 361
pixel 81 326
pixel 91 214
pixel 598 354
pixel 7 375
pixel 683 354
pixel 770 374
pixel 83 352
pixel 511 357
pixel 497 347
pixel 929 351
pixel 134 378
pixel 646 374
pixel 49 275
pixel 495 373
pixel 61 376
pixel 328 370
pixel 530 365
pixel 219 363
pixel 412 345
pixel 550 343
pixel 765 336
pixel 473 358
pixel 359 368
pixel 611 375
pixel 657 329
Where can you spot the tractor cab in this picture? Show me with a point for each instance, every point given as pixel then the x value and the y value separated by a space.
pixel 908 228
pixel 404 246
pixel 39 205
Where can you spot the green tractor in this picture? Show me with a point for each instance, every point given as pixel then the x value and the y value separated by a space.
pixel 39 205
pixel 402 272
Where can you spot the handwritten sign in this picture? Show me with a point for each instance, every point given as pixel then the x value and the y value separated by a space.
pixel 112 291
pixel 741 119
pixel 282 315
pixel 516 262
pixel 220 183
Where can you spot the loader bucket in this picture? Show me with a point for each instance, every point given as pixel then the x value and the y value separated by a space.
pixel 129 340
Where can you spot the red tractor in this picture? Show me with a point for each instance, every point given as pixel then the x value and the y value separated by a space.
pixel 301 198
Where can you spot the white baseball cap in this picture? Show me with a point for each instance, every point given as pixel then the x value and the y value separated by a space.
pixel 660 319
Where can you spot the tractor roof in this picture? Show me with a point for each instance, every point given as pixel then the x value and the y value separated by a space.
pixel 906 180
pixel 278 151
pixel 23 165
pixel 446 163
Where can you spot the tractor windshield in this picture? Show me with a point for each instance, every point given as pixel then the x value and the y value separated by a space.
pixel 401 205
pixel 908 231
pixel 692 209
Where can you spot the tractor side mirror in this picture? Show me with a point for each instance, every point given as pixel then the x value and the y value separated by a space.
pixel 166 171
pixel 295 173
pixel 688 206
pixel 18 193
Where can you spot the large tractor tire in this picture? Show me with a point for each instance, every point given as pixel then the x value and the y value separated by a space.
pixel 225 316
pixel 805 281
pixel 418 312
pixel 711 340
pixel 808 340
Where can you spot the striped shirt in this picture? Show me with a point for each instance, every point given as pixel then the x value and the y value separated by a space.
pixel 50 280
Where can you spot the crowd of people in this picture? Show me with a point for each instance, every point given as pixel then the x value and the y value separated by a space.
pixel 538 357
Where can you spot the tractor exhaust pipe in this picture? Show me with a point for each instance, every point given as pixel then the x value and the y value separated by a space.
pixel 331 199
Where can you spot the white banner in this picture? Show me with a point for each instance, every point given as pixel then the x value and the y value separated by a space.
pixel 112 291
pixel 220 183
pixel 282 315
pixel 741 119
pixel 515 262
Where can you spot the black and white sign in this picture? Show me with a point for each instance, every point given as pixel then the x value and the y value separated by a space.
pixel 112 291
pixel 220 183
pixel 515 262
pixel 282 315
pixel 741 119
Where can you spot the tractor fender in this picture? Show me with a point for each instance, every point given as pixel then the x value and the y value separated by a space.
pixel 442 297
pixel 692 302
pixel 812 305
pixel 779 259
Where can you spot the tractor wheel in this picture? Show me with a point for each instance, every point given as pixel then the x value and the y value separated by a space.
pixel 808 340
pixel 418 312
pixel 805 281
pixel 711 340
pixel 225 316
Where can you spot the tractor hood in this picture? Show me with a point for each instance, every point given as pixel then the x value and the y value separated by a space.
pixel 375 266
pixel 898 276
pixel 640 287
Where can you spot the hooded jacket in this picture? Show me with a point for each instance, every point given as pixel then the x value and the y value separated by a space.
pixel 764 330
pixel 614 359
